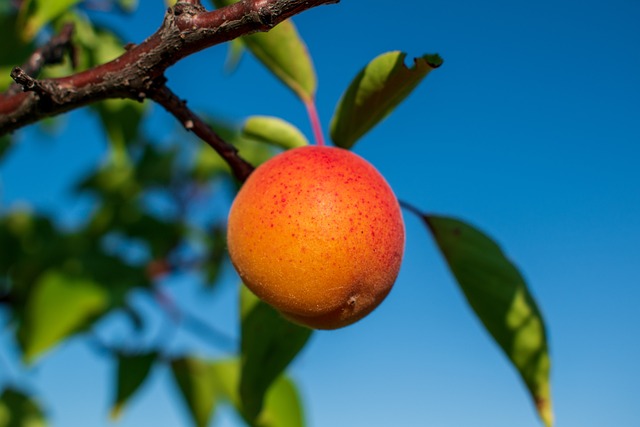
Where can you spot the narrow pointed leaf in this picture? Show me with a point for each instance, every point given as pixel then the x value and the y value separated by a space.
pixel 499 296
pixel 285 54
pixel 383 84
pixel 269 344
pixel 197 381
pixel 19 410
pixel 133 370
pixel 59 305
pixel 234 55
pixel 274 131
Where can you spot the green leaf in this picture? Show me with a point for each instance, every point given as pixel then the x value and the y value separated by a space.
pixel 234 55
pixel 197 381
pixel 128 5
pixel 285 54
pixel 133 370
pixel 19 52
pixel 269 343
pixel 35 14
pixel 19 410
pixel 59 305
pixel 282 408
pixel 121 119
pixel 5 145
pixel 215 242
pixel 156 167
pixel 383 84
pixel 499 296
pixel 274 131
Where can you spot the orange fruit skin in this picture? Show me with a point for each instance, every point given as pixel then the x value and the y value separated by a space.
pixel 317 233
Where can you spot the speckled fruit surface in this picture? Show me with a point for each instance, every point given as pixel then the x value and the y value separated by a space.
pixel 317 233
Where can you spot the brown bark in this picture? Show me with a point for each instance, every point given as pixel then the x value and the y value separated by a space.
pixel 139 72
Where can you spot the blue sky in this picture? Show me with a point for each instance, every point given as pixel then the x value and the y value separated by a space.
pixel 530 131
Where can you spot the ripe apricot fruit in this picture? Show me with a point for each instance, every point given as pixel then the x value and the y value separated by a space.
pixel 317 233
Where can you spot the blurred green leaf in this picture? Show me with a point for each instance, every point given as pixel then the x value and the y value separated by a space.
pixel 274 131
pixel 133 370
pixel 499 296
pixel 112 181
pixel 128 5
pixel 29 244
pixel 216 246
pixel 197 381
pixel 383 84
pixel 285 54
pixel 19 52
pixel 234 55
pixel 269 343
pixel 121 119
pixel 35 14
pixel 282 408
pixel 161 236
pixel 59 305
pixel 5 145
pixel 19 410
pixel 156 167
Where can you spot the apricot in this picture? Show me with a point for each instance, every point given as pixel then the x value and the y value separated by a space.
pixel 317 233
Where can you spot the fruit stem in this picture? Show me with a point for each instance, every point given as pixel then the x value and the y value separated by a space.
pixel 315 121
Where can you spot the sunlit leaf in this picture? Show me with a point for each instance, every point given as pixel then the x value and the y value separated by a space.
pixel 274 131
pixel 285 54
pixel 383 84
pixel 499 296
pixel 133 370
pixel 59 305
pixel 282 404
pixel 19 410
pixel 197 381
pixel 234 55
pixel 269 343
pixel 37 13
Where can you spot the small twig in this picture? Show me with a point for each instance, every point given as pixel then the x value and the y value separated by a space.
pixel 26 82
pixel 52 52
pixel 314 118
pixel 185 30
pixel 192 122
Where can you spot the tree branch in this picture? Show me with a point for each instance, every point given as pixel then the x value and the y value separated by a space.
pixel 192 122
pixel 52 52
pixel 187 28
